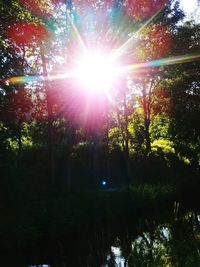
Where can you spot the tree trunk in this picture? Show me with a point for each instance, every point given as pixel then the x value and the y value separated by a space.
pixel 21 114
pixel 68 158
pixel 126 135
pixel 95 158
pixel 50 118
pixel 19 132
pixel 121 129
pixel 146 110
pixel 108 170
pixel 147 134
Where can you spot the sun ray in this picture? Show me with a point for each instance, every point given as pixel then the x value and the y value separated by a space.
pixel 78 35
pixel 121 69
pixel 160 62
pixel 86 109
pixel 23 79
pixel 40 78
pixel 125 46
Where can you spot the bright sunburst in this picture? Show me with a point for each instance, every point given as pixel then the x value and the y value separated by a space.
pixel 96 72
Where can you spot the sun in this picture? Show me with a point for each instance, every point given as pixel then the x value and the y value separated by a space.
pixel 96 72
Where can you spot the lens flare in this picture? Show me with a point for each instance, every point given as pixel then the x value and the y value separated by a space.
pixel 161 62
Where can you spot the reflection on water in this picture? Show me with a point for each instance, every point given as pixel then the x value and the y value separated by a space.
pixel 118 258
pixel 152 241
pixel 175 244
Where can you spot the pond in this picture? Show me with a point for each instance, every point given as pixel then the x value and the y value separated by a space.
pixel 162 239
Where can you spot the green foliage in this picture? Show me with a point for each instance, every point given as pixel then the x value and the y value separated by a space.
pixel 164 145
pixel 115 137
pixel 159 128
pixel 12 144
pixel 148 192
pixel 136 130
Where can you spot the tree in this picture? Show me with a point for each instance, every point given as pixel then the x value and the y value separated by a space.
pixel 154 42
pixel 181 91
